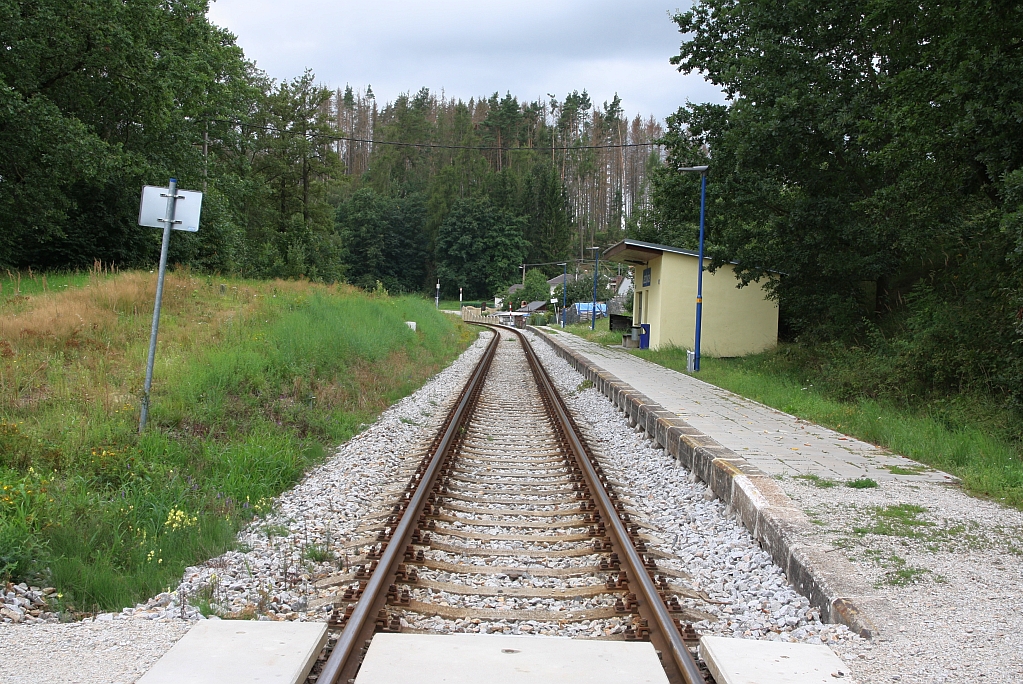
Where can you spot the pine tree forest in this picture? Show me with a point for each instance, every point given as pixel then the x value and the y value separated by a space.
pixel 577 172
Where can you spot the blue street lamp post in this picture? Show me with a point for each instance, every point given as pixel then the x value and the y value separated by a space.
pixel 596 263
pixel 564 297
pixel 699 278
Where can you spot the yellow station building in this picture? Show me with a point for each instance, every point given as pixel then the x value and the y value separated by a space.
pixel 736 321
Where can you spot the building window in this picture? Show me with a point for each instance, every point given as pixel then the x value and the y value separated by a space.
pixel 646 277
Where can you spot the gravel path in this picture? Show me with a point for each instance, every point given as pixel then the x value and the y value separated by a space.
pixel 114 651
pixel 948 566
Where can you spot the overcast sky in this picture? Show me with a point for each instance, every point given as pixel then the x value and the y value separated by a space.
pixel 471 48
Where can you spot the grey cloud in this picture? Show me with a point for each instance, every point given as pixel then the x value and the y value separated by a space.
pixel 530 47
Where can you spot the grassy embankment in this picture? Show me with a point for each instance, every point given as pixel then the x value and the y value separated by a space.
pixel 972 436
pixel 253 380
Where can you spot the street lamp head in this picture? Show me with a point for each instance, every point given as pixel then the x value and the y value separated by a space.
pixel 700 169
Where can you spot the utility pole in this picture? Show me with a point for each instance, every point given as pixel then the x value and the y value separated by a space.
pixel 205 155
pixel 699 278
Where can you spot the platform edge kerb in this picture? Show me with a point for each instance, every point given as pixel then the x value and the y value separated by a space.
pixel 768 513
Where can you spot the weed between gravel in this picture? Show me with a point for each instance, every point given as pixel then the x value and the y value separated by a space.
pixel 900 573
pixel 318 553
pixel 901 520
pixel 252 378
pixel 817 481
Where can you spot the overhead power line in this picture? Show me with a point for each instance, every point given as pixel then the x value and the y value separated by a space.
pixel 482 148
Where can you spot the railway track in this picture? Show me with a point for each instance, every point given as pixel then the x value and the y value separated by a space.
pixel 508 524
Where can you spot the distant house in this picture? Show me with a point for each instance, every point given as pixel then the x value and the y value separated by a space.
pixel 512 318
pixel 557 281
pixel 621 285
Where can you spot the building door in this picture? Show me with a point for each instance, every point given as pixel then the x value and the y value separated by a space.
pixel 639 308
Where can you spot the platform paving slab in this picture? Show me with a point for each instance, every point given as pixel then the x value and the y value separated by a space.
pixel 496 659
pixel 241 652
pixel 777 443
pixel 744 661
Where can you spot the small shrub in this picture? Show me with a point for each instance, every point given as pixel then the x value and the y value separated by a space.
pixel 861 483
pixel 318 553
pixel 18 545
pixel 20 452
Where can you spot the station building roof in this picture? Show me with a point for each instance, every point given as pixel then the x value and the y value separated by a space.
pixel 639 252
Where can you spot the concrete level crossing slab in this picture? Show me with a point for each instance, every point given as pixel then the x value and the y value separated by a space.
pixel 744 661
pixel 241 652
pixel 777 443
pixel 497 659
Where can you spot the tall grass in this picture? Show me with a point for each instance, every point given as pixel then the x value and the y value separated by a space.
pixel 28 282
pixel 252 381
pixel 969 436
pixel 601 334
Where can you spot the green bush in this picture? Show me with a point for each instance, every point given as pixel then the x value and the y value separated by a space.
pixel 540 319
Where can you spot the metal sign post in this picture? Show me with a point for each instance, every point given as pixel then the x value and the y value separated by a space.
pixel 188 220
pixel 436 301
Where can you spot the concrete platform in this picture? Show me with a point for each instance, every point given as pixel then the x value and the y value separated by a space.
pixel 744 661
pixel 241 651
pixel 496 659
pixel 777 443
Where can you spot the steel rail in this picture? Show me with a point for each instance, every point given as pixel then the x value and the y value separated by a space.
pixel 340 661
pixel 342 666
pixel 620 538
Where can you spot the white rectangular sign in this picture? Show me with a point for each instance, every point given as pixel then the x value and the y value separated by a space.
pixel 153 209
